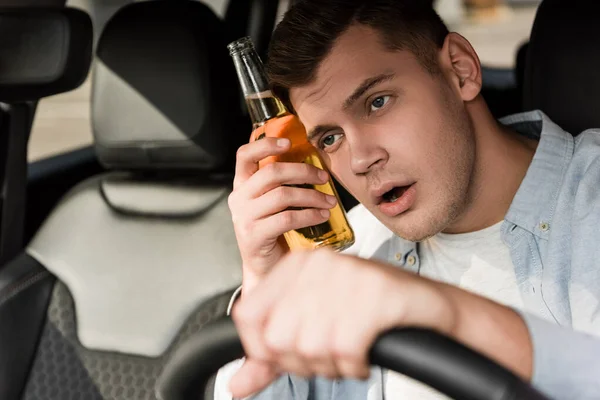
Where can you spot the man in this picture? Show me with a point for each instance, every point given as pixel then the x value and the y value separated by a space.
pixel 449 197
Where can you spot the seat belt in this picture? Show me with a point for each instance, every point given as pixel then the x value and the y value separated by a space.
pixel 15 127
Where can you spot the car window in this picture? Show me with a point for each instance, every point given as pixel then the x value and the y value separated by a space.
pixel 495 28
pixel 61 124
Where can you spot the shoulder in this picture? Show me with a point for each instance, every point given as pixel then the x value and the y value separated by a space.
pixel 587 144
pixel 368 230
pixel 583 176
pixel 585 165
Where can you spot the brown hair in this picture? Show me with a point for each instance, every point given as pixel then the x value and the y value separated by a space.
pixel 309 29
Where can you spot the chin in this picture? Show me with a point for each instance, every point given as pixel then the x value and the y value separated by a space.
pixel 417 225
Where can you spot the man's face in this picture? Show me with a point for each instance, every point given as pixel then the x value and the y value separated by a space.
pixel 398 138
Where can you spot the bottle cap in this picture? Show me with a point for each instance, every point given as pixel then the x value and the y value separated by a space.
pixel 243 44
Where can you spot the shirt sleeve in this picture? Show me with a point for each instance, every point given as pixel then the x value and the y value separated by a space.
pixel 286 387
pixel 566 363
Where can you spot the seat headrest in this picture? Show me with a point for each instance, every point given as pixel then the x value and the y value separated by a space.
pixel 43 51
pixel 562 76
pixel 165 94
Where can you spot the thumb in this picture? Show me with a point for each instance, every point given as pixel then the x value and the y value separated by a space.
pixel 251 378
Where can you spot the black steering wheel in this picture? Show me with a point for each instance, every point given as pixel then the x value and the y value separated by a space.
pixel 427 356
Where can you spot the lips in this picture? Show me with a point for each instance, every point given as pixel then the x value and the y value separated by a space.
pixel 394 194
pixel 396 199
pixel 379 193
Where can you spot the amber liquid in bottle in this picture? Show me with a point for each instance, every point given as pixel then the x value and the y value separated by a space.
pixel 270 118
pixel 335 233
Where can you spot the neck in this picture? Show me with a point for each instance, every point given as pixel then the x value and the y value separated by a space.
pixel 501 162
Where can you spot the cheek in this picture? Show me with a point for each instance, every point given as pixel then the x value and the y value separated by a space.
pixel 431 133
pixel 339 166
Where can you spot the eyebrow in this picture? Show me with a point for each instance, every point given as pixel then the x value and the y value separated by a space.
pixel 318 130
pixel 365 86
pixel 358 92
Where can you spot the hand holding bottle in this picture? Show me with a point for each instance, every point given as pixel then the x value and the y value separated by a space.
pixel 283 197
pixel 263 209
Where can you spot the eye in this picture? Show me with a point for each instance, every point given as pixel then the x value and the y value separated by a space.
pixel 329 140
pixel 379 102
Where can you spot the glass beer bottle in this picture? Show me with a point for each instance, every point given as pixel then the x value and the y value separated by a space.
pixel 271 118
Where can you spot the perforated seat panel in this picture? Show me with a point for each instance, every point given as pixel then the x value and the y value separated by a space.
pixel 63 369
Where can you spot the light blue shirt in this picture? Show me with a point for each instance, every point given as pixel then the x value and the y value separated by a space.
pixel 552 229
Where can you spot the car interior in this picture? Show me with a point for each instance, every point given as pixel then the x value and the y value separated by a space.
pixel 113 256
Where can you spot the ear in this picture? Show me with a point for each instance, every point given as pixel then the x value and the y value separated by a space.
pixel 462 64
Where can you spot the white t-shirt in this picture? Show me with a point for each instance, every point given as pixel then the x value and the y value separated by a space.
pixel 479 262
pixel 476 261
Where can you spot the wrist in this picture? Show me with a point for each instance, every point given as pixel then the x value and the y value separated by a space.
pixel 438 311
pixel 425 305
pixel 250 279
pixel 492 329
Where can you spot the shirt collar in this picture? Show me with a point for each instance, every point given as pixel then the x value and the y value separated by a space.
pixel 533 205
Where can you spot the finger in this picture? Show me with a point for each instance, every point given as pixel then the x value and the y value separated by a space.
pixel 352 338
pixel 284 173
pixel 250 154
pixel 351 343
pixel 251 313
pixel 284 197
pixel 285 221
pixel 313 348
pixel 282 328
pixel 251 378
pixel 249 323
pixel 352 368
pixel 315 332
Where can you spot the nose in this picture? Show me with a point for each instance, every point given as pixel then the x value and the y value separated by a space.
pixel 365 152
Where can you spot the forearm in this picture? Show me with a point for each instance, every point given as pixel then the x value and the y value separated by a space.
pixel 491 329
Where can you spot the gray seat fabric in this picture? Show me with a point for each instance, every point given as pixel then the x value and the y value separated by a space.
pixel 145 254
pixel 64 369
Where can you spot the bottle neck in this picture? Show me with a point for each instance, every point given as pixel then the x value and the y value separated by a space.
pixel 263 107
pixel 262 104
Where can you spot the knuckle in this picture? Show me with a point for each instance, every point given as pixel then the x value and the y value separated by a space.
pixel 314 195
pixel 310 349
pixel 232 200
pixel 322 196
pixel 281 194
pixel 342 351
pixel 276 342
pixel 272 169
pixel 286 218
pixel 245 316
pixel 314 215
pixel 241 152
pixel 309 170
pixel 352 369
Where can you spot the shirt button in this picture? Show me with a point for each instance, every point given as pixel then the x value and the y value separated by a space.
pixel 398 256
pixel 544 226
pixel 411 260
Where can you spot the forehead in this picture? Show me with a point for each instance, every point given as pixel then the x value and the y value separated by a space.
pixel 358 54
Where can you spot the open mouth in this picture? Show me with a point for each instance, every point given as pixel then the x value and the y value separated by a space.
pixel 397 200
pixel 394 194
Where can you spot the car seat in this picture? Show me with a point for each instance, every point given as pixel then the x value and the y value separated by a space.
pixel 133 261
pixel 562 71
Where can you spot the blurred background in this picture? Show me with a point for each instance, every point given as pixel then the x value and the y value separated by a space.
pixel 496 29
